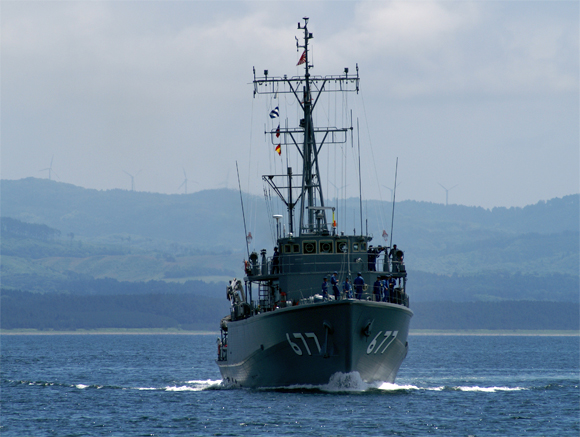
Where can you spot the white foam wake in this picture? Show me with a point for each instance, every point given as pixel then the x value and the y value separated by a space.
pixel 193 385
pixel 386 386
pixel 351 382
pixel 197 385
pixel 489 389
pixel 389 386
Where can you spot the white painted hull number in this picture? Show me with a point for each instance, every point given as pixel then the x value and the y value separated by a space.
pixel 298 335
pixel 385 339
pixel 386 336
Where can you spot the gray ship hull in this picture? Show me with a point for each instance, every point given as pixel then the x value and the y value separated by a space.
pixel 307 344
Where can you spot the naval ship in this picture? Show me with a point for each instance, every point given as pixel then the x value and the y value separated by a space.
pixel 318 307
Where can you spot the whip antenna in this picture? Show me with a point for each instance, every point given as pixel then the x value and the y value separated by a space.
pixel 359 178
pixel 394 193
pixel 243 213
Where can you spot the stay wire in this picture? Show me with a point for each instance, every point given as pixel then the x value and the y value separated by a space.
pixel 381 213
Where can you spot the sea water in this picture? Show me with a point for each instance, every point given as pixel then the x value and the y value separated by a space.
pixel 169 385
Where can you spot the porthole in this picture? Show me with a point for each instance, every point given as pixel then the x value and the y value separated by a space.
pixel 326 247
pixel 310 247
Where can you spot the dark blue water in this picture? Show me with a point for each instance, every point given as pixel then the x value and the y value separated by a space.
pixel 165 385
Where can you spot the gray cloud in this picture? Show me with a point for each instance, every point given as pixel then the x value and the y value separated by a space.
pixel 480 94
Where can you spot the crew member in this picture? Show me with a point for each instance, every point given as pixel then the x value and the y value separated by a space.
pixel 395 254
pixel 359 283
pixel 385 285
pixel 334 283
pixel 377 290
pixel 347 288
pixel 276 261
pixel 325 288
pixel 392 294
pixel 372 255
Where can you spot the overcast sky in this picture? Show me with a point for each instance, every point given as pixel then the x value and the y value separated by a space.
pixel 479 96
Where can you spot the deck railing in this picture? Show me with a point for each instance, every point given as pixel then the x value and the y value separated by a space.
pixel 287 265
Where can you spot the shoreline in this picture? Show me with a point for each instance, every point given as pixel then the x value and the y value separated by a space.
pixel 418 332
pixel 498 332
pixel 106 332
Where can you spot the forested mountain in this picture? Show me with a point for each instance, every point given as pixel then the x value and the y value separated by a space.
pixel 59 238
pixel 194 218
pixel 213 217
pixel 25 310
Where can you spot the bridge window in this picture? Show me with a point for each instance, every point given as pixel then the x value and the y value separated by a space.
pixel 326 247
pixel 291 248
pixel 341 247
pixel 309 247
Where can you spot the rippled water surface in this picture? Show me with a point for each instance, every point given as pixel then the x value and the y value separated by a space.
pixel 93 385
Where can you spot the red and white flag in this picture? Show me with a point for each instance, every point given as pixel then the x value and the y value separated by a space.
pixel 302 58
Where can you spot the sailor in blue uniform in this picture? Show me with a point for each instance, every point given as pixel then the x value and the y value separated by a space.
pixel 276 261
pixel 347 289
pixel 325 287
pixel 334 283
pixel 392 295
pixel 359 283
pixel 377 290
pixel 385 290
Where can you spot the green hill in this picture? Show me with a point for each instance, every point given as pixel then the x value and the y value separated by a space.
pixel 54 232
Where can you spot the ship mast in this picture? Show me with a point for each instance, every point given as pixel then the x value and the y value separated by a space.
pixel 307 90
pixel 310 175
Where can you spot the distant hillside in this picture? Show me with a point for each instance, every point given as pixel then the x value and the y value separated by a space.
pixel 208 219
pixel 538 239
pixel 54 232
pixel 23 310
pixel 509 315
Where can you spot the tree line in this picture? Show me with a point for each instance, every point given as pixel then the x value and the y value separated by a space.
pixel 25 310
pixel 14 227
pixel 508 315
pixel 493 286
pixel 74 283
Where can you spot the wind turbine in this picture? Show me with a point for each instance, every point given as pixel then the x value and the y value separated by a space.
pixel 132 179
pixel 226 180
pixel 447 193
pixel 392 190
pixel 49 169
pixel 184 183
pixel 338 198
pixel 338 189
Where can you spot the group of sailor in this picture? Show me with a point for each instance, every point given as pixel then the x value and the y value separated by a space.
pixel 383 290
pixel 395 255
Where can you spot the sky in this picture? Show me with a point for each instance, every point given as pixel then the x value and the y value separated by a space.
pixel 479 98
